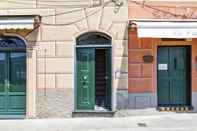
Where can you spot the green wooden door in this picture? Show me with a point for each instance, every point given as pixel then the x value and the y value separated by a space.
pixel 172 76
pixel 3 83
pixel 85 78
pixel 12 83
pixel 109 81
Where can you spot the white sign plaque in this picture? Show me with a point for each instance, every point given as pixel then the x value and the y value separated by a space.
pixel 162 66
pixel 164 29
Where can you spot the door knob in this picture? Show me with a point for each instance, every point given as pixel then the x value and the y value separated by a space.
pixel 106 77
pixel 85 77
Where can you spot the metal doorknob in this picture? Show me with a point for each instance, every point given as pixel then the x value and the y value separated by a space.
pixel 85 77
pixel 106 77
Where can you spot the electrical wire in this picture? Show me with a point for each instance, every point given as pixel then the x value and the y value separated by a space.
pixel 70 23
pixel 63 13
pixel 41 4
pixel 78 20
pixel 73 22
pixel 167 6
pixel 160 10
pixel 35 28
pixel 151 7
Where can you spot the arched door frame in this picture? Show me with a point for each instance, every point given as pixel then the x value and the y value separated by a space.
pixel 93 46
pixel 30 88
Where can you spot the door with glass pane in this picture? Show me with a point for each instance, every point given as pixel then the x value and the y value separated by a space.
pixel 12 83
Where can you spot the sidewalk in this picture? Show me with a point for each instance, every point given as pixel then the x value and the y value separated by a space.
pixel 156 122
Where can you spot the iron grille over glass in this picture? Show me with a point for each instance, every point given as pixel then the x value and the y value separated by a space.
pixel 12 43
pixel 94 38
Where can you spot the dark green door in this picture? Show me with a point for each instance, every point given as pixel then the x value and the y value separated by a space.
pixel 109 81
pixel 172 76
pixel 12 83
pixel 85 79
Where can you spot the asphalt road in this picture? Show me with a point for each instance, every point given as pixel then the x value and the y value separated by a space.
pixel 169 122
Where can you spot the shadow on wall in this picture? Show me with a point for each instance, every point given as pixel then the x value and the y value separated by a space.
pixel 32 37
pixel 121 75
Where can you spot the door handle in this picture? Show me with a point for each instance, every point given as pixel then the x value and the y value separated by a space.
pixel 7 83
pixel 106 77
pixel 175 63
pixel 85 77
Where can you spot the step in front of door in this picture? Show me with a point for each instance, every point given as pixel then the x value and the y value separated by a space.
pixel 93 114
pixel 176 109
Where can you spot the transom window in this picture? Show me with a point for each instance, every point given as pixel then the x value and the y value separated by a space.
pixel 94 38
pixel 12 43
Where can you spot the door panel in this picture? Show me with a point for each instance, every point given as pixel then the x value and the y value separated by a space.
pixel 100 78
pixel 172 82
pixel 177 93
pixel 109 81
pixel 16 103
pixel 163 92
pixel 17 85
pixel 163 81
pixel 178 75
pixel 12 83
pixel 86 99
pixel 18 72
pixel 3 82
pixel 2 103
pixel 85 79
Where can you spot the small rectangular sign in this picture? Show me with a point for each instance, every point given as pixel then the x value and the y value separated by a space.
pixel 162 66
pixel 121 74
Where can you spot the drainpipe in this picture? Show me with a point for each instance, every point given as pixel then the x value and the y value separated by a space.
pixel 45 88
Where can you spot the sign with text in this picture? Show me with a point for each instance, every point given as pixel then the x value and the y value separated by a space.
pixel 162 66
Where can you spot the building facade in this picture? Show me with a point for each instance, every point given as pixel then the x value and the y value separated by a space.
pixel 162 55
pixel 62 57
pixel 65 58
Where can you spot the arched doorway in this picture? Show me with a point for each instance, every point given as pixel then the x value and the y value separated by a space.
pixel 12 76
pixel 93 72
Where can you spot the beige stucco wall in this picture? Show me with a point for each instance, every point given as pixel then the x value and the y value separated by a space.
pixel 52 56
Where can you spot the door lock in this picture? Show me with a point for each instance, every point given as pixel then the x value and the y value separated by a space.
pixel 84 83
pixel 106 77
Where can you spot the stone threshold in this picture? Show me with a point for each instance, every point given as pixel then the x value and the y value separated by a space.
pixel 12 116
pixel 93 113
